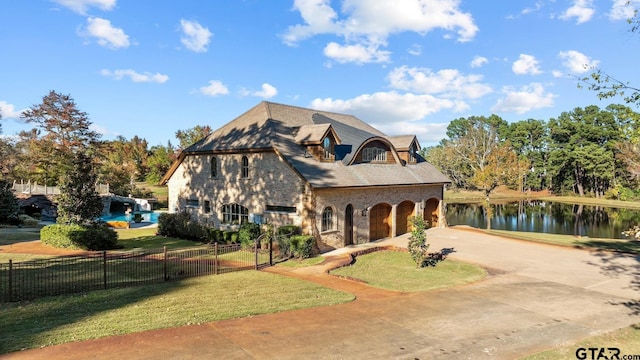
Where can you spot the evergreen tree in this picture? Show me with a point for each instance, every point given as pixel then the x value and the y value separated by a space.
pixel 79 203
pixel 9 206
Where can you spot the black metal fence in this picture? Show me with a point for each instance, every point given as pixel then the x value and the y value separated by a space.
pixel 63 275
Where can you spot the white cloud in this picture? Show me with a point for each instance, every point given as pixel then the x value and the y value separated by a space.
pixel 447 82
pixel 214 88
pixel 135 76
pixel 623 9
pixel 81 6
pixel 526 64
pixel 582 10
pixel 577 62
pixel 195 37
pixel 478 61
pixel 386 107
pixel 9 111
pixel 415 50
pixel 268 91
pixel 428 133
pixel 358 53
pixel 366 24
pixel 527 98
pixel 107 35
pixel 557 73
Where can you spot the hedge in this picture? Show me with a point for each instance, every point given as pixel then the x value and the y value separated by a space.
pixel 86 237
pixel 301 246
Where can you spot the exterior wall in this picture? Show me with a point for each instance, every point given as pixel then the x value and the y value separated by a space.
pixel 364 198
pixel 271 182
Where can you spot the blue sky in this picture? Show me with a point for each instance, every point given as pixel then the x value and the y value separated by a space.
pixel 149 68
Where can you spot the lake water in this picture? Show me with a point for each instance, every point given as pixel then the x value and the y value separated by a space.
pixel 547 217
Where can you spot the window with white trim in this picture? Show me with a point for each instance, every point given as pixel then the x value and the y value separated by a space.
pixel 374 154
pixel 328 146
pixel 327 219
pixel 234 214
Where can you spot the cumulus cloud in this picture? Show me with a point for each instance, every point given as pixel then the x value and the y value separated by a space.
pixel 577 62
pixel 107 35
pixel 428 133
pixel 526 64
pixel 195 37
pixel 448 83
pixel 582 10
pixel 135 76
pixel 478 61
pixel 267 91
pixel 366 24
pixel 81 6
pixel 214 88
pixel 386 107
pixel 623 9
pixel 415 50
pixel 527 98
pixel 9 111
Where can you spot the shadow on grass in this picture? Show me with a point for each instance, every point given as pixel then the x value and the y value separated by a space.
pixel 623 246
pixel 156 242
pixel 10 237
pixel 32 324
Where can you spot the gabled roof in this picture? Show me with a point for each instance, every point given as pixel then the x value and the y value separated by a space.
pixel 285 129
pixel 403 142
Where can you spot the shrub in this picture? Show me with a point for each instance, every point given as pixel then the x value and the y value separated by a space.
pixel 248 233
pixel 28 221
pixel 74 236
pixel 216 236
pixel 181 226
pixel 230 237
pixel 417 245
pixel 302 246
pixel 289 230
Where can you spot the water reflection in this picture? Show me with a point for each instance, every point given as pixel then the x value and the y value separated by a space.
pixel 547 217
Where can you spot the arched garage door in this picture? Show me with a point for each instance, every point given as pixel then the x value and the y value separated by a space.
pixel 403 212
pixel 380 222
pixel 431 212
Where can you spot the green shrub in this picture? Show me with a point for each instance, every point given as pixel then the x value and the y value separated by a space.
pixel 216 236
pixel 230 237
pixel 289 230
pixel 248 233
pixel 28 221
pixel 74 236
pixel 302 246
pixel 417 245
pixel 181 226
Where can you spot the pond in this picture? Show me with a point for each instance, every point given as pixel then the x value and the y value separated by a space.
pixel 547 217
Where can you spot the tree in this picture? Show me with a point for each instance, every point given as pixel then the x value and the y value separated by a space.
pixel 78 202
pixel 65 131
pixel 608 86
pixel 159 162
pixel 190 136
pixel 417 246
pixel 9 206
pixel 122 163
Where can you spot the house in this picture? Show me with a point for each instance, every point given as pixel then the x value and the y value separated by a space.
pixel 337 177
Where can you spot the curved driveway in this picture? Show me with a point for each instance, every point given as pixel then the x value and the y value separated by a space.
pixel 535 297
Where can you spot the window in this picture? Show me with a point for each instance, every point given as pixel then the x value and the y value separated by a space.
pixel 193 203
pixel 214 167
pixel 277 208
pixel 413 153
pixel 234 214
pixel 374 154
pixel 327 219
pixel 327 146
pixel 245 167
pixel 207 206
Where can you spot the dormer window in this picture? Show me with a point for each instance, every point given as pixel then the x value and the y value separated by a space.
pixel 413 153
pixel 370 154
pixel 328 147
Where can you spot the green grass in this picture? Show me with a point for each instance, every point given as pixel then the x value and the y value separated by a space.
pixel 628 246
pixel 62 319
pixel 395 270
pixel 316 260
pixel 626 339
pixel 146 238
pixel 10 236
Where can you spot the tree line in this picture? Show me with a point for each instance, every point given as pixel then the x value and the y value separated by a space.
pixel 61 131
pixel 587 151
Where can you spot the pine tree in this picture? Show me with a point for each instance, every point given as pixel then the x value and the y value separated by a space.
pixel 79 203
pixel 9 206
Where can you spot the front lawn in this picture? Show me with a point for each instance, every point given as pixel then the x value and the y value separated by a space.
pixel 395 270
pixel 146 238
pixel 61 319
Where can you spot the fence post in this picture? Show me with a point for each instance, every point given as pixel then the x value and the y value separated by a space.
pixel 10 280
pixel 215 258
pixel 270 250
pixel 164 261
pixel 255 250
pixel 104 269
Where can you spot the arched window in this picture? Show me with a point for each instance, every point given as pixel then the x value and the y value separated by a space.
pixel 234 214
pixel 327 146
pixel 245 167
pixel 214 167
pixel 327 219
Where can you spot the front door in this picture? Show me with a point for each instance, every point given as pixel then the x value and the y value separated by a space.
pixel 348 225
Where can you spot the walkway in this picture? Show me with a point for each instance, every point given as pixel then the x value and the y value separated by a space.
pixel 536 297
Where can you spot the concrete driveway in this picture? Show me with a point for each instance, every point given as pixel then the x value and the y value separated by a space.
pixel 535 297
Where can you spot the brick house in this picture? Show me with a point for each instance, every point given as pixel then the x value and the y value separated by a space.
pixel 334 175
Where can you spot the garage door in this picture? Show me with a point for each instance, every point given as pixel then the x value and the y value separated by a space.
pixel 403 213
pixel 431 213
pixel 380 222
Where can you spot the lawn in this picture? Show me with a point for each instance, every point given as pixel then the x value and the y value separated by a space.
pixel 626 339
pixel 146 238
pixel 61 319
pixel 316 260
pixel 401 274
pixel 10 236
